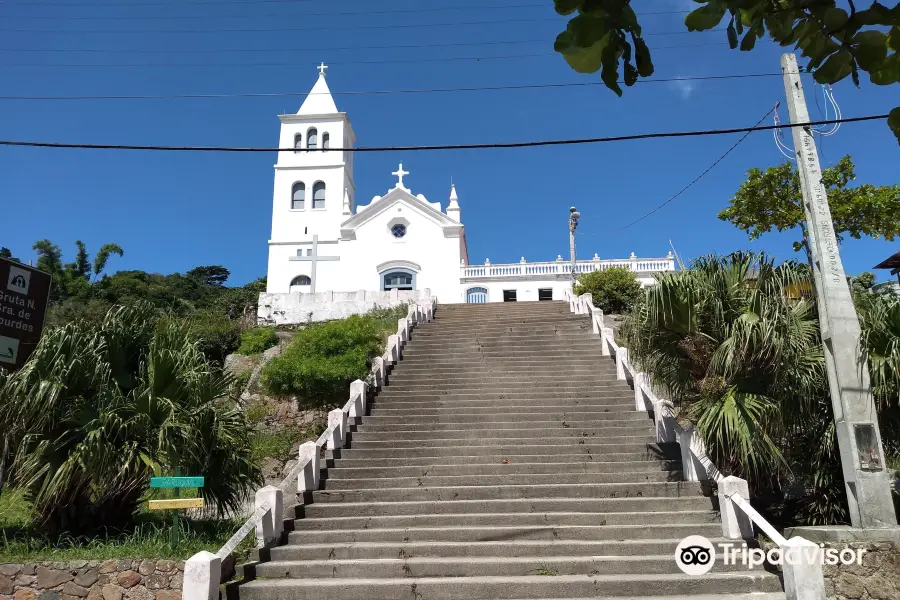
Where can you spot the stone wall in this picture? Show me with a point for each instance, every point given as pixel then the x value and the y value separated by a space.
pixel 877 578
pixel 93 580
pixel 288 309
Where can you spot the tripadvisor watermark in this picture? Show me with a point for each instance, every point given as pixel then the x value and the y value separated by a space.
pixel 696 555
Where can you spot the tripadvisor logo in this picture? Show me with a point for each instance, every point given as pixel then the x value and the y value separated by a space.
pixel 696 555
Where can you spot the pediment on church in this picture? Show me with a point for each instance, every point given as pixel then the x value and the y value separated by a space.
pixel 400 197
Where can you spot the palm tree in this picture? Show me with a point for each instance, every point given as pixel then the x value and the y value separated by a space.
pixel 734 342
pixel 99 410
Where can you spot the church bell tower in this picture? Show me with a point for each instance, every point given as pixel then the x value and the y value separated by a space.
pixel 314 190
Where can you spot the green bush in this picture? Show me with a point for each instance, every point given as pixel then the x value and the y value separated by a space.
pixel 321 361
pixel 614 290
pixel 217 335
pixel 98 410
pixel 256 340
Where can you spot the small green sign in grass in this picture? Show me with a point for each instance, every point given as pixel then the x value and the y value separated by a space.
pixel 176 482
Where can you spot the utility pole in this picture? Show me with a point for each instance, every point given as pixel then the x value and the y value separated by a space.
pixel 574 215
pixel 856 421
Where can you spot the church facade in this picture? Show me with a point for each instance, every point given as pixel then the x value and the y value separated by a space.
pixel 330 256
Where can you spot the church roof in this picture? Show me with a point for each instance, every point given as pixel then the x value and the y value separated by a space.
pixel 319 100
pixel 392 198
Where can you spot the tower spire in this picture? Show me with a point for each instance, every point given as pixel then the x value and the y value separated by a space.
pixel 319 100
pixel 453 208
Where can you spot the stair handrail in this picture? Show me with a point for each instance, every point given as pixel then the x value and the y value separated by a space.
pixel 803 581
pixel 203 571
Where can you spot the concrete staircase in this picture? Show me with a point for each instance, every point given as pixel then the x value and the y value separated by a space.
pixel 504 461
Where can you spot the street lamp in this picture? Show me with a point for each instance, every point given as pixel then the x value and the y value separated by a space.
pixel 574 215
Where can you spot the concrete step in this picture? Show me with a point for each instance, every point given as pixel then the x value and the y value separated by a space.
pixel 500 378
pixel 640 420
pixel 509 520
pixel 610 442
pixel 340 472
pixel 617 389
pixel 511 452
pixel 618 402
pixel 565 410
pixel 573 350
pixel 464 414
pixel 518 505
pixel 552 433
pixel 633 531
pixel 514 492
pixel 368 483
pixel 503 588
pixel 504 548
pixel 477 567
pixel 476 363
pixel 351 459
pixel 546 386
pixel 503 336
pixel 554 370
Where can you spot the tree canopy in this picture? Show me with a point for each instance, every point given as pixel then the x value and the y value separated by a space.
pixel 838 43
pixel 772 199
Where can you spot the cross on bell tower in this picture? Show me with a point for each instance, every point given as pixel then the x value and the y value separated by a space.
pixel 322 68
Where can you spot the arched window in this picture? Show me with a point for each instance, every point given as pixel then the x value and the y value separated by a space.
pixel 300 283
pixel 298 142
pixel 326 141
pixel 298 196
pixel 398 280
pixel 319 195
pixel 312 139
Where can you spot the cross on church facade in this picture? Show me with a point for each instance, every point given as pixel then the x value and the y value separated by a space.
pixel 322 68
pixel 313 258
pixel 400 173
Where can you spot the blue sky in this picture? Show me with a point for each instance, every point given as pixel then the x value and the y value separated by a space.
pixel 173 211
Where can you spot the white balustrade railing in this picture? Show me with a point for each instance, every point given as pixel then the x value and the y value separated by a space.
pixel 203 571
pixel 637 265
pixel 803 580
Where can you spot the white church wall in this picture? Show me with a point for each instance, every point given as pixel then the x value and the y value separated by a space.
pixel 526 290
pixel 424 251
pixel 280 309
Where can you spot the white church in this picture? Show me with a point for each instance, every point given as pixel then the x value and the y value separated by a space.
pixel 330 256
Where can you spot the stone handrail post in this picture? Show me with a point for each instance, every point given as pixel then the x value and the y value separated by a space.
pixel 736 525
pixel 308 456
pixel 621 358
pixel 271 526
pixel 337 422
pixel 202 573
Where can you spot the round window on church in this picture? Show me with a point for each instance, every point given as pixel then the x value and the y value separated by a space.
pixel 399 230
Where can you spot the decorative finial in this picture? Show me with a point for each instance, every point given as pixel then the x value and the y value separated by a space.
pixel 523 261
pixel 596 256
pixel 400 173
pixel 322 68
pixel 670 255
pixel 633 257
pixel 487 261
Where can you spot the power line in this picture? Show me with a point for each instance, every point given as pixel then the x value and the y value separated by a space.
pixel 269 50
pixel 385 92
pixel 618 138
pixel 294 64
pixel 555 19
pixel 167 4
pixel 207 17
pixel 302 49
pixel 696 179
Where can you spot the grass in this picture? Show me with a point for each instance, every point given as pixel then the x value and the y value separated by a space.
pixel 22 541
pixel 278 444
pixel 258 411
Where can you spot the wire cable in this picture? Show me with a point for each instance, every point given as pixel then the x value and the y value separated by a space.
pixel 383 92
pixel 565 142
pixel 748 130
pixel 310 28
pixel 207 17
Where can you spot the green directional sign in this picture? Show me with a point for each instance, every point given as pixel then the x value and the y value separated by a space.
pixel 176 482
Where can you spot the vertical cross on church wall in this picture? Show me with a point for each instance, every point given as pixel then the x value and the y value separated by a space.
pixel 313 258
